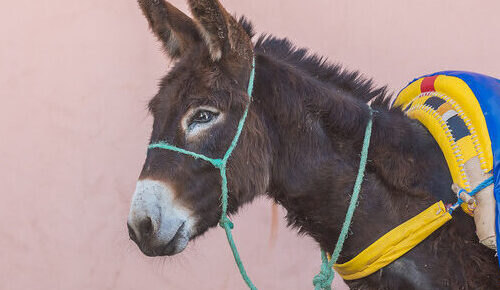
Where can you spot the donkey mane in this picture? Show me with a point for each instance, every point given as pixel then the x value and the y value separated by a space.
pixel 349 81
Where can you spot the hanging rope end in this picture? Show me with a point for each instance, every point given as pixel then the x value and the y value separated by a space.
pixel 323 280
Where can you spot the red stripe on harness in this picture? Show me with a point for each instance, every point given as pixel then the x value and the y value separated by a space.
pixel 427 84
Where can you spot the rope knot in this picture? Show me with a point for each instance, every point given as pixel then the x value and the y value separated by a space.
pixel 323 280
pixel 226 221
pixel 218 163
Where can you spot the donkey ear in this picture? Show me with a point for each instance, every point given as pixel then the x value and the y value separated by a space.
pixel 173 28
pixel 222 33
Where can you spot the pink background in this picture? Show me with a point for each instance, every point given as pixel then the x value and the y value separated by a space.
pixel 75 77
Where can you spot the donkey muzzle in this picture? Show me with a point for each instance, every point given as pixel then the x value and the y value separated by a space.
pixel 156 223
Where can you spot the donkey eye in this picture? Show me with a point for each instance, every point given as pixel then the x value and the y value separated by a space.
pixel 202 117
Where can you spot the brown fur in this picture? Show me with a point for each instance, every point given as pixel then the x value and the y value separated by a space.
pixel 300 146
pixel 174 29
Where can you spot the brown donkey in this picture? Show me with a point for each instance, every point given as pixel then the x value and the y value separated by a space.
pixel 300 146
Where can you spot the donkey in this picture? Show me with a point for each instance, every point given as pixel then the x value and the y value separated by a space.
pixel 300 146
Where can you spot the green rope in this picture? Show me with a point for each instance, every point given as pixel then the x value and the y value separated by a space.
pixel 323 280
pixel 221 164
pixel 162 145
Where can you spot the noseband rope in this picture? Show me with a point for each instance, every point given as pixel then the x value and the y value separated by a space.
pixel 324 279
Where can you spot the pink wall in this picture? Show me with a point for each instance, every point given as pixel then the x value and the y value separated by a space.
pixel 75 77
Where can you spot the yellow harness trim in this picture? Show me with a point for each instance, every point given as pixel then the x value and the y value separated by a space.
pixel 395 243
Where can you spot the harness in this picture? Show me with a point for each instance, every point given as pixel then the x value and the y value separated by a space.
pixel 384 251
pixel 460 110
pixel 457 108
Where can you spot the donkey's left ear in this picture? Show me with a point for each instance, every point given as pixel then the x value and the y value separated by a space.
pixel 224 36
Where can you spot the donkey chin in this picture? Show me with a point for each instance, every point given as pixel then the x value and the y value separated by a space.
pixel 158 225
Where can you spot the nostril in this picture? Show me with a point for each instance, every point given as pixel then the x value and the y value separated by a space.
pixel 131 233
pixel 146 227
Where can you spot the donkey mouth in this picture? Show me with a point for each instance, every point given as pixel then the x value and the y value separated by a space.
pixel 176 245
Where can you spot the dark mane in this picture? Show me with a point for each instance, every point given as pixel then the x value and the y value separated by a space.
pixel 334 75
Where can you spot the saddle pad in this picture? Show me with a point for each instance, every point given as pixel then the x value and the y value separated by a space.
pixel 462 111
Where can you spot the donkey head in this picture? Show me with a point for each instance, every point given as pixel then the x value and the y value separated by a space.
pixel 197 108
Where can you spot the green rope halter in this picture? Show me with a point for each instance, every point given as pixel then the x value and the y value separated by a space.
pixel 324 279
pixel 221 164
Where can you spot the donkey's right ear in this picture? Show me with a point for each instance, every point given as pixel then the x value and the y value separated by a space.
pixel 174 29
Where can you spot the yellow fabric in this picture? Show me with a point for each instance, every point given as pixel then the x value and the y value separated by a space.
pixel 444 108
pixel 464 102
pixel 444 139
pixel 467 148
pixel 463 95
pixel 395 243
pixel 463 98
pixel 408 94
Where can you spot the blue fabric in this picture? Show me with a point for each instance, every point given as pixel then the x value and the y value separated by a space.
pixel 487 92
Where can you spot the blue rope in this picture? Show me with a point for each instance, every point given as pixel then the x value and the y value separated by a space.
pixel 487 182
pixel 323 280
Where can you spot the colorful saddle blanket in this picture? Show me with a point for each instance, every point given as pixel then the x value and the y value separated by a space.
pixel 462 112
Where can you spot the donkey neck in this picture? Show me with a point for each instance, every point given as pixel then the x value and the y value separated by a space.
pixel 316 133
